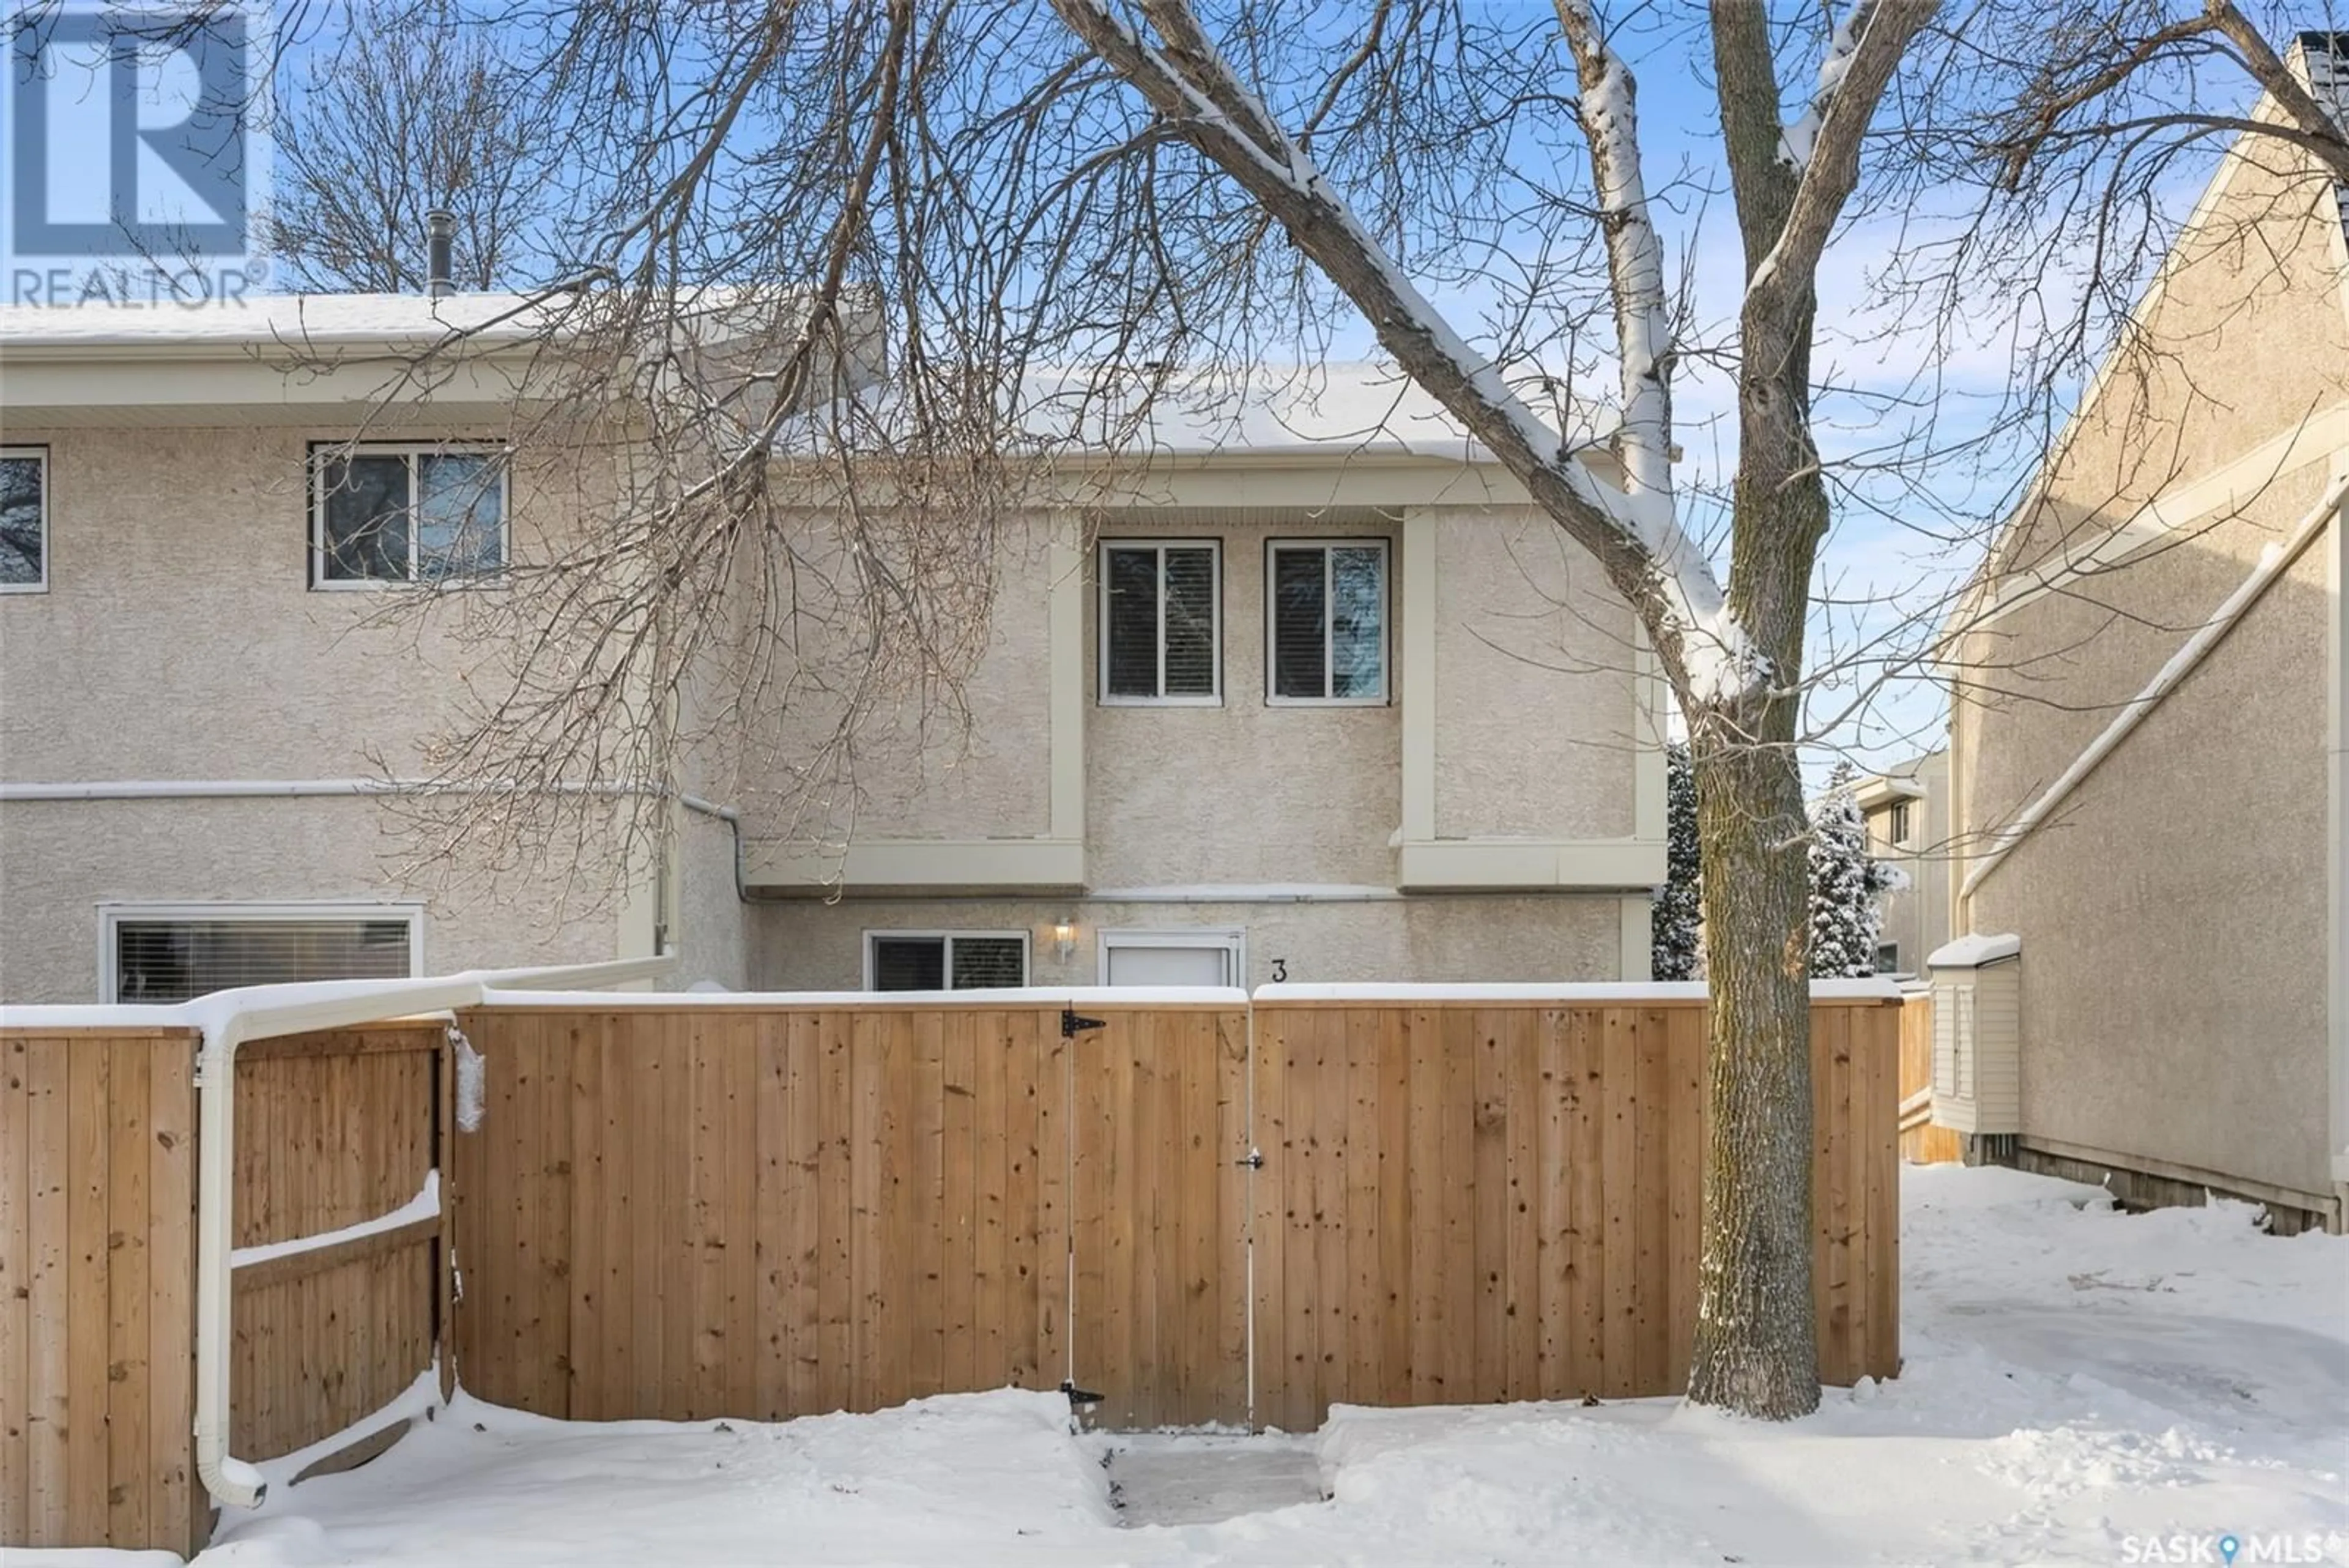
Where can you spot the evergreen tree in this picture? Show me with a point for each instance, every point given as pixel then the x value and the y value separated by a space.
pixel 1845 882
pixel 1677 916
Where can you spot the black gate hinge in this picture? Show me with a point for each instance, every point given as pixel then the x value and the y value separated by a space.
pixel 1078 1397
pixel 1071 1023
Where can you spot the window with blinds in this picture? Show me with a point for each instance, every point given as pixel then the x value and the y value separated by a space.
pixel 944 960
pixel 1326 621
pixel 157 958
pixel 1161 622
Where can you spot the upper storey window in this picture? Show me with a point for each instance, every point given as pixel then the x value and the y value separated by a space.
pixel 1162 622
pixel 1326 621
pixel 405 514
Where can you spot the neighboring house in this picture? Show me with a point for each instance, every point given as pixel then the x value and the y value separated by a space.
pixel 1908 813
pixel 2147 724
pixel 1309 692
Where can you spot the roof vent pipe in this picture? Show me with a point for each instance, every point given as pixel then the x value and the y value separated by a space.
pixel 440 242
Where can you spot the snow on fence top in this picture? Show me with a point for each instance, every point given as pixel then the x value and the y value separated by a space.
pixel 1884 989
pixel 990 997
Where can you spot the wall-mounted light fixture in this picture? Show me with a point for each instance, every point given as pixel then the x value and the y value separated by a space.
pixel 1065 937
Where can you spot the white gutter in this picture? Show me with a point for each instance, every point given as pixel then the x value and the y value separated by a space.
pixel 283 789
pixel 2273 560
pixel 229 1018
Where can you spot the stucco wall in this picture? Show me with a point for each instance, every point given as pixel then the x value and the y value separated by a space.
pixel 2173 920
pixel 180 636
pixel 2173 911
pixel 808 945
pixel 709 929
pixel 2244 338
pixel 1535 721
pixel 59 861
pixel 2048 678
pixel 1245 792
pixel 1916 916
pixel 180 640
pixel 963 753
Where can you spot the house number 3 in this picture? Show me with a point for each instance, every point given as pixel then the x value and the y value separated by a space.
pixel 1280 972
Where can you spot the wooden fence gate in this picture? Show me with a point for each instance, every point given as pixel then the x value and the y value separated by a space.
pixel 1160 1201
pixel 771 1211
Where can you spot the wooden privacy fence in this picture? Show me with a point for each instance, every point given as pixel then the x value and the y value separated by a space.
pixel 1471 1200
pixel 766 1209
pixel 1199 1210
pixel 1921 1142
pixel 98 1192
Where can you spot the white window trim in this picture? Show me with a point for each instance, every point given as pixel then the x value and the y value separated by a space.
pixel 1386 623
pixel 110 915
pixel 324 451
pixel 873 935
pixel 1215 548
pixel 41 454
pixel 1232 940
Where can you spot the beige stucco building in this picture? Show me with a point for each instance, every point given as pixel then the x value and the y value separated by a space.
pixel 2147 725
pixel 1906 809
pixel 1298 695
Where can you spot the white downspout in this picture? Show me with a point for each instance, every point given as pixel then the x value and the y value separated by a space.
pixel 231 1018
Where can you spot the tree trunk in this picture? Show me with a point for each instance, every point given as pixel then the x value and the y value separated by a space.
pixel 1756 1340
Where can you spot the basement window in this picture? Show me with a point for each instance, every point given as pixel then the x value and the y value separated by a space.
pixel 1162 623
pixel 405 514
pixel 1325 631
pixel 158 953
pixel 24 519
pixel 944 960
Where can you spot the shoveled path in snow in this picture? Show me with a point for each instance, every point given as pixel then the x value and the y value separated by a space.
pixel 1175 1478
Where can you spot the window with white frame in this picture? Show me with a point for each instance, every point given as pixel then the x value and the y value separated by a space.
pixel 1160 621
pixel 24 519
pixel 1325 620
pixel 1896 827
pixel 944 960
pixel 405 514
pixel 170 952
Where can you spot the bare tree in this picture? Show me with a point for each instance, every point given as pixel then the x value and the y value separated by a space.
pixel 1150 193
pixel 405 111
pixel 862 272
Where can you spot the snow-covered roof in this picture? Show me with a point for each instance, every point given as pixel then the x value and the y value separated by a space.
pixel 1974 949
pixel 1356 406
pixel 262 319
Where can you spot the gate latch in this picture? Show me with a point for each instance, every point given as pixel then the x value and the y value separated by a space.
pixel 1070 1023
pixel 1255 1160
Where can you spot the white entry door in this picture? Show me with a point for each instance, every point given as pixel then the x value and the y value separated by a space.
pixel 1171 957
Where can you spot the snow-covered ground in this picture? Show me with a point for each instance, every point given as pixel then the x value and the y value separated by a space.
pixel 2081 1386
